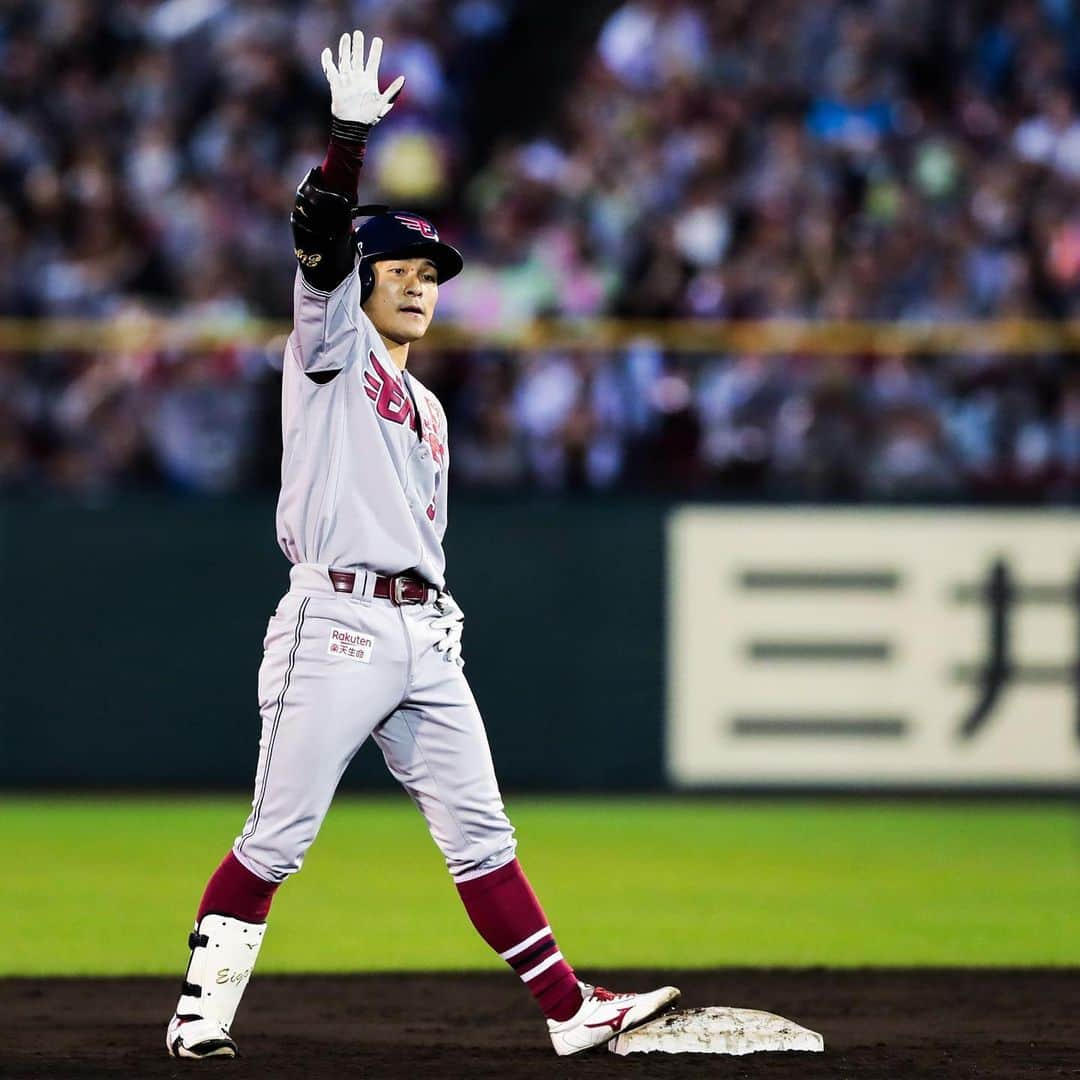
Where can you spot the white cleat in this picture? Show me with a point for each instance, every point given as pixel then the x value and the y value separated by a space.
pixel 198 1038
pixel 603 1015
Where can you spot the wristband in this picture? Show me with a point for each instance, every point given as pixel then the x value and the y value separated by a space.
pixel 348 131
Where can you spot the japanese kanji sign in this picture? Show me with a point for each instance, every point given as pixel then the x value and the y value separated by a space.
pixel 858 648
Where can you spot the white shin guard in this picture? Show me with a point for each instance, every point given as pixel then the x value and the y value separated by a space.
pixel 223 954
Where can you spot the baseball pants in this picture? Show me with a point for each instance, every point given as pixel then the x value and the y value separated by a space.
pixel 338 667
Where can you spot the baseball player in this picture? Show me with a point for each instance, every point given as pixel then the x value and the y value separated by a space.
pixel 367 641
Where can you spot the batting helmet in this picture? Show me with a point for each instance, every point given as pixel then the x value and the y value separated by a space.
pixel 401 234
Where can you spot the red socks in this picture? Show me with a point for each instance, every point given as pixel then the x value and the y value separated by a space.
pixel 501 905
pixel 235 891
pixel 507 915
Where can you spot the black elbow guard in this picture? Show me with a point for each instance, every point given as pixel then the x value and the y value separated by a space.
pixel 322 233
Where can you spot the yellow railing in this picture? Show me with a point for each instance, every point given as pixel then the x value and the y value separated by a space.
pixel 765 337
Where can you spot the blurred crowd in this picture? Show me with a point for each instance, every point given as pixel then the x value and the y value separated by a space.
pixel 900 160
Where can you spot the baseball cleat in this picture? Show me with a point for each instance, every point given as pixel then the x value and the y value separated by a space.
pixel 603 1015
pixel 194 1037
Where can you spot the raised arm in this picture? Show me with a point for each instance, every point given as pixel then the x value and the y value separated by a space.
pixel 326 199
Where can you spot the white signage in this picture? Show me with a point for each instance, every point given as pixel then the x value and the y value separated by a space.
pixel 861 648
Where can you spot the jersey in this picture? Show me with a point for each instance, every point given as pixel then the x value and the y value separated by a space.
pixel 364 456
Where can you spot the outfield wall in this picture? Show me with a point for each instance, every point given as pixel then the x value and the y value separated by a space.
pixel 132 634
pixel 131 637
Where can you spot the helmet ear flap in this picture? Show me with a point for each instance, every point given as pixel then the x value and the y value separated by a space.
pixel 367 280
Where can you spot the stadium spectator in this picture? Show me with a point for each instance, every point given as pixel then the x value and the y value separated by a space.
pixel 815 159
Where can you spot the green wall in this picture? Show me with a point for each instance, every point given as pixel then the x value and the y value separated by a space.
pixel 131 637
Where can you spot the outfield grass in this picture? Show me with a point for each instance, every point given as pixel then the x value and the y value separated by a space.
pixel 109 886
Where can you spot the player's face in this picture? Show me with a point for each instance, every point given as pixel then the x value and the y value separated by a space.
pixel 403 301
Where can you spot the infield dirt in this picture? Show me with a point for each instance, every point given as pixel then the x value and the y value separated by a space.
pixel 900 1024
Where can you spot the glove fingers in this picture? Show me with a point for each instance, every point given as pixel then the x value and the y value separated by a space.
pixel 358 49
pixel 373 60
pixel 393 90
pixel 345 54
pixel 329 70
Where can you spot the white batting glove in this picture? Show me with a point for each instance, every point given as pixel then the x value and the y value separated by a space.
pixel 354 88
pixel 451 620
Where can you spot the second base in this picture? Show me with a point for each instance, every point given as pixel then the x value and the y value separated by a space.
pixel 716 1030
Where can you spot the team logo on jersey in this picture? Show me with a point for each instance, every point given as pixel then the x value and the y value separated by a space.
pixel 391 401
pixel 418 224
pixel 349 645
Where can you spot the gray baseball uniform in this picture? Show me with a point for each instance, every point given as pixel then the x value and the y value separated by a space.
pixel 363 491
pixel 365 459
